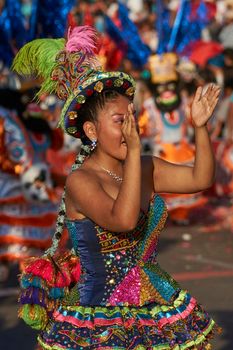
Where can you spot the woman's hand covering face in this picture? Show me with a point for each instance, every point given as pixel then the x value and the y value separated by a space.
pixel 129 129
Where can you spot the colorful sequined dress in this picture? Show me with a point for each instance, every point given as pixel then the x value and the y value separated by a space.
pixel 124 300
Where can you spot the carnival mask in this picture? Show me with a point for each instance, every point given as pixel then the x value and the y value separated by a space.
pixel 167 96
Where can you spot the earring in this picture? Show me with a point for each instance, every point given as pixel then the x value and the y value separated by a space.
pixel 93 144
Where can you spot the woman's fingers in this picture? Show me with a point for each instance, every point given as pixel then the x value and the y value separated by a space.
pixel 214 103
pixel 197 95
pixel 129 125
pixel 212 91
pixel 126 126
pixel 216 96
pixel 132 111
pixel 210 97
pixel 213 97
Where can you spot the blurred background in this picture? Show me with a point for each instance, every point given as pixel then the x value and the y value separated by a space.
pixel 170 47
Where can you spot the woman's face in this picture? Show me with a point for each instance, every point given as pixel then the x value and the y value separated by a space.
pixel 109 134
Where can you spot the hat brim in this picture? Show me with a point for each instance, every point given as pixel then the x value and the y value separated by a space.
pixel 96 83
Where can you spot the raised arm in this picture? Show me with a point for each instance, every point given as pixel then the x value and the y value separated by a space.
pixel 174 178
pixel 86 192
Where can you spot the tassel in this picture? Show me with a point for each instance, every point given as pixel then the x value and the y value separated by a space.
pixel 45 284
pixel 34 296
pixel 48 270
pixel 34 315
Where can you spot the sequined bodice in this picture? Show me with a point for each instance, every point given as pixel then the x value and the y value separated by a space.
pixel 121 268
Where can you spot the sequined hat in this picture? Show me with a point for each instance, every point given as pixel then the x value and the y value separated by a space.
pixel 71 69
pixel 95 83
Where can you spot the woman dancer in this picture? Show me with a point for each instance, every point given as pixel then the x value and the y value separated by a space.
pixel 114 214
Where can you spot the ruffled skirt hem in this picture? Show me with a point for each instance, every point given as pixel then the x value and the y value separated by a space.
pixel 201 343
pixel 181 325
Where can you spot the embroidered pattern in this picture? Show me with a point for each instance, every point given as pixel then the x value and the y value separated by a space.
pixel 111 241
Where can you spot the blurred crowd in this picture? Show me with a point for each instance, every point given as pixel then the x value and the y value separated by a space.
pixel 170 48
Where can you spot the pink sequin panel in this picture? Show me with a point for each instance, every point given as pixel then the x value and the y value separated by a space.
pixel 128 291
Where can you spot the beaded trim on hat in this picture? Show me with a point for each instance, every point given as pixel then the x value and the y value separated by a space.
pixel 94 84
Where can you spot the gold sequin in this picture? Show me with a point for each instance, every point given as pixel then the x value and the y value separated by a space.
pixel 72 115
pixel 71 130
pixel 99 86
pixel 148 292
pixel 130 91
pixel 118 82
pixel 81 99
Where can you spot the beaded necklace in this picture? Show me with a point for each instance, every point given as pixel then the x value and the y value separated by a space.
pixel 113 175
pixel 110 173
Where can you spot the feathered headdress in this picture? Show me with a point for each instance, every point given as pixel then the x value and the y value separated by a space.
pixel 70 69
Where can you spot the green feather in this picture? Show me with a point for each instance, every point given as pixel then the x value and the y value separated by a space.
pixel 37 59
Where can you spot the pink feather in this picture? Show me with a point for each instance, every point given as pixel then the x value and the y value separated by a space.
pixel 82 38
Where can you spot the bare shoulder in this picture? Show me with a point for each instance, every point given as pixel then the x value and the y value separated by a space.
pixel 80 179
pixel 86 197
pixel 77 176
pixel 81 184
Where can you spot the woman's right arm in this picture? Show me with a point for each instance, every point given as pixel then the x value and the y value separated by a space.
pixel 85 192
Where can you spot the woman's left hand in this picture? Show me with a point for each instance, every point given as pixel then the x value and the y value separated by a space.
pixel 203 105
